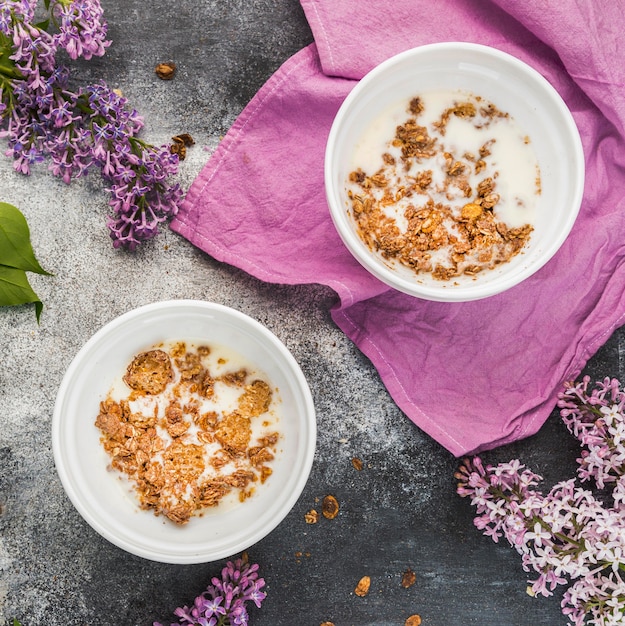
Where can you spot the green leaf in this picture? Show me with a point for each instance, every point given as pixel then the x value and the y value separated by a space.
pixel 16 623
pixel 15 248
pixel 7 64
pixel 15 289
pixel 43 25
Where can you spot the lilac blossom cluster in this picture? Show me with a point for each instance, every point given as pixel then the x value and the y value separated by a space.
pixel 76 130
pixel 224 601
pixel 569 536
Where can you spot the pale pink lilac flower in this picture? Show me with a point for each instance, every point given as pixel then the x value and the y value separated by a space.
pixel 568 536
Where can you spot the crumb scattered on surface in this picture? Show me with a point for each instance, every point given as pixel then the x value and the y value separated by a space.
pixel 362 588
pixel 180 144
pixel 408 578
pixel 330 507
pixel 357 463
pixel 165 71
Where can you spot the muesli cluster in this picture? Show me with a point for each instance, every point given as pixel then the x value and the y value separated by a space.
pixel 433 204
pixel 187 437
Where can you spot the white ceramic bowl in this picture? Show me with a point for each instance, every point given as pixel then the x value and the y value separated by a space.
pixel 106 501
pixel 513 87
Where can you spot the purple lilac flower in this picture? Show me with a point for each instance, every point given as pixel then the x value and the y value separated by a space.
pixel 569 536
pixel 224 601
pixel 596 418
pixel 41 118
pixel 82 30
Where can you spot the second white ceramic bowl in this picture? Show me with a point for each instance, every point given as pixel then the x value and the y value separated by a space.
pixel 104 498
pixel 514 87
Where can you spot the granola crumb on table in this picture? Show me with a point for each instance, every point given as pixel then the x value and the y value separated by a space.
pixel 330 507
pixel 179 458
pixel 408 579
pixel 357 464
pixel 165 71
pixel 362 588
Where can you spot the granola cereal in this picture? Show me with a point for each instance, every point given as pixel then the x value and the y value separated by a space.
pixel 180 144
pixel 408 579
pixel 362 588
pixel 447 187
pixel 357 464
pixel 165 71
pixel 330 507
pixel 189 430
pixel 149 372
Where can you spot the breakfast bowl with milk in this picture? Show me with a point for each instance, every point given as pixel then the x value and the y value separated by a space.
pixel 453 171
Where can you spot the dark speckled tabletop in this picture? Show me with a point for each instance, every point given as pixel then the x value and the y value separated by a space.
pixel 399 512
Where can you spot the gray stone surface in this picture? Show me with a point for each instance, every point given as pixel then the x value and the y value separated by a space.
pixel 399 512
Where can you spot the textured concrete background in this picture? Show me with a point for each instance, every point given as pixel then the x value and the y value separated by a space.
pixel 400 512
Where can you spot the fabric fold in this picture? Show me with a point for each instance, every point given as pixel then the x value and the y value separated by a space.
pixel 472 375
pixel 256 204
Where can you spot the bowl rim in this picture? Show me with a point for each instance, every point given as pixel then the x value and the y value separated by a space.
pixel 469 291
pixel 195 554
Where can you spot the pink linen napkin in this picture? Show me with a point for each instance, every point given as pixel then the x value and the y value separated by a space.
pixel 472 375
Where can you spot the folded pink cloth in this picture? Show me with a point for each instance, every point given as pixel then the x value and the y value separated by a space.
pixel 473 375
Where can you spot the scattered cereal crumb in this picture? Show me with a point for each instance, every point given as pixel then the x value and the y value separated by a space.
pixel 330 507
pixel 408 578
pixel 326 624
pixel 312 517
pixel 165 71
pixel 413 620
pixel 362 588
pixel 184 138
pixel 357 463
pixel 180 144
pixel 299 555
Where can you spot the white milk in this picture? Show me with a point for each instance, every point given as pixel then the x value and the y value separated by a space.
pixel 512 162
